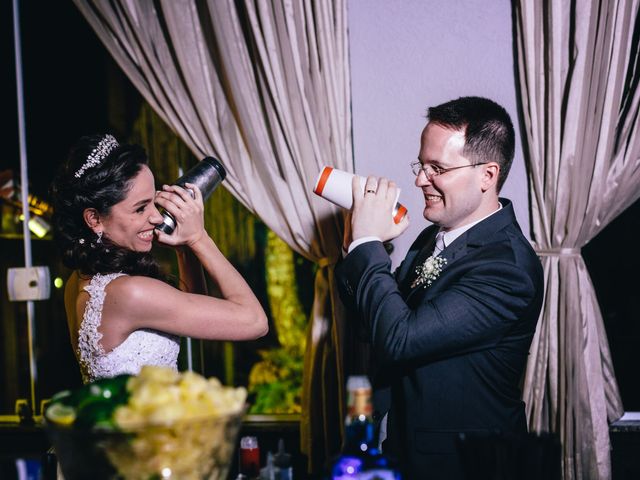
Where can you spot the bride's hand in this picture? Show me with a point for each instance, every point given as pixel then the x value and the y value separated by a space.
pixel 186 210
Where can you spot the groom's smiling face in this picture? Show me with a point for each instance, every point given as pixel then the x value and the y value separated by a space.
pixel 453 198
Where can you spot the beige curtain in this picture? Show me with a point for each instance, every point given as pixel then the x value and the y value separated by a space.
pixel 264 86
pixel 577 67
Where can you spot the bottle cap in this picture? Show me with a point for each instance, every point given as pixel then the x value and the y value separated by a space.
pixel 359 396
pixel 248 442
pixel 282 459
pixel 358 382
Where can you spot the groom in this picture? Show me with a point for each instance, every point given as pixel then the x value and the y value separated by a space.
pixel 451 328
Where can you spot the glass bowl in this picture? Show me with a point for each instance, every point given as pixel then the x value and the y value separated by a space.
pixel 190 449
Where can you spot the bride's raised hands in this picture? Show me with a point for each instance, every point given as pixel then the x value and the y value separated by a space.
pixel 187 209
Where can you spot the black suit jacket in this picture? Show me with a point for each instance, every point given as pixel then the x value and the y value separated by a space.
pixel 452 353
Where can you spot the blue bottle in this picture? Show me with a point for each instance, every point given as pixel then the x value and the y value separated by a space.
pixel 360 458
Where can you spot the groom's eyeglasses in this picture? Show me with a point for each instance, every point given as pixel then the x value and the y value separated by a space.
pixel 436 170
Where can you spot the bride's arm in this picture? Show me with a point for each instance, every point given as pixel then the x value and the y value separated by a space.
pixel 141 302
pixel 190 272
pixel 149 303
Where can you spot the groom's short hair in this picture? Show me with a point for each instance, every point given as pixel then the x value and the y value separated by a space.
pixel 487 127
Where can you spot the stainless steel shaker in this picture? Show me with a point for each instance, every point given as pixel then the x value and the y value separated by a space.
pixel 207 174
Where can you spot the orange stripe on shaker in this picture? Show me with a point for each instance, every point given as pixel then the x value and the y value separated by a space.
pixel 402 211
pixel 324 176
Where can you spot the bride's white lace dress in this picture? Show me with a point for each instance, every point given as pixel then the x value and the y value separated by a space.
pixel 142 347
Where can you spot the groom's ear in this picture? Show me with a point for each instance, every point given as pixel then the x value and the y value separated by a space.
pixel 490 174
pixel 92 219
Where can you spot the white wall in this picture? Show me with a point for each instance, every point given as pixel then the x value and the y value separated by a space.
pixel 407 55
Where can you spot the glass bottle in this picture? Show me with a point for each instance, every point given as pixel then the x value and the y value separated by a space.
pixel 249 457
pixel 360 457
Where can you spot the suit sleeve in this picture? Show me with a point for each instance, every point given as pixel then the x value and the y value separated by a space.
pixel 473 312
pixel 345 283
pixel 345 288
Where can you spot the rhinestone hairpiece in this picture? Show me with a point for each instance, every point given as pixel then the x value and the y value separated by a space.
pixel 102 151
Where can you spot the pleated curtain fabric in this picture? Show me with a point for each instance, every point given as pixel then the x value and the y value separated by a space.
pixel 578 77
pixel 264 86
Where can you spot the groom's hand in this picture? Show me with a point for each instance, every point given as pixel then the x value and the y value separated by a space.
pixel 372 211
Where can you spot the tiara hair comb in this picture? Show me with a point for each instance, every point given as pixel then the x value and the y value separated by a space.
pixel 102 151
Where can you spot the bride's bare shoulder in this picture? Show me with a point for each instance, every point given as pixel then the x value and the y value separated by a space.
pixel 136 288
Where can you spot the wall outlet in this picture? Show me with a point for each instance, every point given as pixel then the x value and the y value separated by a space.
pixel 32 283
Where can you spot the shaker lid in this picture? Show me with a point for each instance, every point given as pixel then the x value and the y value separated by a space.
pixel 217 165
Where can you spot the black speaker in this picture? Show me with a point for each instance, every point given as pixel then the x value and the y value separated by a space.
pixel 501 456
pixel 625 449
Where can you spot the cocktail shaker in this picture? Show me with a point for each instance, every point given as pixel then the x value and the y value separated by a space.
pixel 335 185
pixel 207 174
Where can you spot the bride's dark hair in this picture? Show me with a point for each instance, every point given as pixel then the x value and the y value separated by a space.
pixel 80 184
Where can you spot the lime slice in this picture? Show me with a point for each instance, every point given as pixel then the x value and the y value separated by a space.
pixel 61 414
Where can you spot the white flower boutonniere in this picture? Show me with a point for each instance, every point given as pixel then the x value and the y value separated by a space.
pixel 429 271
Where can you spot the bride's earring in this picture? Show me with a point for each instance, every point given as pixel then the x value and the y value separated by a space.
pixel 98 240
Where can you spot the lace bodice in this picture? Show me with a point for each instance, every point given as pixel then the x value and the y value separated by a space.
pixel 142 347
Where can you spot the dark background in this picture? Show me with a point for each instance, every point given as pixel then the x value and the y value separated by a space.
pixel 66 80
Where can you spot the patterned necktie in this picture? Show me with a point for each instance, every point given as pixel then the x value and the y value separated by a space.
pixel 440 246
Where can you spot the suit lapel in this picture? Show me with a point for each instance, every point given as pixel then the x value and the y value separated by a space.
pixel 476 236
pixel 408 271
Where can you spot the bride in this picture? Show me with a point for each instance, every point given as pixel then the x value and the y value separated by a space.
pixel 122 313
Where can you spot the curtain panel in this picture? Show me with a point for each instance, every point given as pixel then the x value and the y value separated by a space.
pixel 264 86
pixel 578 78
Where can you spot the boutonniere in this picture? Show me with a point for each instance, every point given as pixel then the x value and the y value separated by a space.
pixel 429 271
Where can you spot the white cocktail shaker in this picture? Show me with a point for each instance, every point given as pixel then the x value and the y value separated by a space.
pixel 335 185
